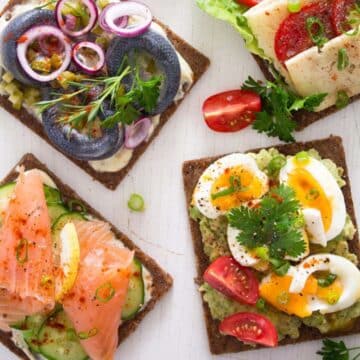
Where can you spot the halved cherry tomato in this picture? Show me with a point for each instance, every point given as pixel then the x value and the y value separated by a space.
pixel 248 3
pixel 340 11
pixel 292 36
pixel 250 327
pixel 237 282
pixel 231 110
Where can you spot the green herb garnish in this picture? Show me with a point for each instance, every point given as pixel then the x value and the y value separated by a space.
pixel 83 335
pixel 342 99
pixel 278 105
pixel 325 282
pixel 76 205
pixel 21 251
pixel 316 30
pixel 235 186
pixel 275 224
pixel 312 195
pixel 343 59
pixel 337 350
pixel 105 293
pixel 260 304
pixel 136 203
pixel 275 165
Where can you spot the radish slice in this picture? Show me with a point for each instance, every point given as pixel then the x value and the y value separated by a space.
pixel 110 16
pixel 84 62
pixel 64 25
pixel 34 34
pixel 136 133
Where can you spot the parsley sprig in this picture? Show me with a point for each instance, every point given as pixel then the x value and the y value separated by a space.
pixel 275 224
pixel 128 105
pixel 337 350
pixel 278 106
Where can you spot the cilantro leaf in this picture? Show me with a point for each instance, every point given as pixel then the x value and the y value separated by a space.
pixel 276 223
pixel 278 105
pixel 333 350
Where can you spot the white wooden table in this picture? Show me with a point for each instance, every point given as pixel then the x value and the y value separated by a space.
pixel 175 329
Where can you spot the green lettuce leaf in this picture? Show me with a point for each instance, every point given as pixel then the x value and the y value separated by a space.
pixel 232 12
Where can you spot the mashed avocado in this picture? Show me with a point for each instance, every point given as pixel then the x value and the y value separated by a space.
pixel 214 236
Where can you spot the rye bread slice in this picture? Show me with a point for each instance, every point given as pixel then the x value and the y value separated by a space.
pixel 198 63
pixel 331 148
pixel 303 118
pixel 162 281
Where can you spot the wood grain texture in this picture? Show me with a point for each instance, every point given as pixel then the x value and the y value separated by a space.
pixel 176 330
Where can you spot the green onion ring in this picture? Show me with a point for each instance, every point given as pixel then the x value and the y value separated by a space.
pixel 105 287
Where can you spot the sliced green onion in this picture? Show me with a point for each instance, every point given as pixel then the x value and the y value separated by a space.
pixel 262 252
pixel 46 280
pixel 235 186
pixel 316 31
pixel 136 203
pixel 325 282
pixel 294 6
pixel 283 298
pixel 260 304
pixel 21 251
pixel 276 164
pixel 312 195
pixel 343 59
pixel 83 335
pixel 76 205
pixel 302 156
pixel 342 99
pixel 105 292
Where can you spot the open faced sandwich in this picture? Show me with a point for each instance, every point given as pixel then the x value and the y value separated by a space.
pixel 274 234
pixel 97 79
pixel 71 285
pixel 314 46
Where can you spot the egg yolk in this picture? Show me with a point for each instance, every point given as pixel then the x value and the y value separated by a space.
pixel 235 186
pixel 310 194
pixel 276 292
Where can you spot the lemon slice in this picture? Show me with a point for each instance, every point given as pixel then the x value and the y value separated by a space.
pixel 69 258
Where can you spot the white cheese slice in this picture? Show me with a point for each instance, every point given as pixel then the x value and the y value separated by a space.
pixel 264 20
pixel 316 72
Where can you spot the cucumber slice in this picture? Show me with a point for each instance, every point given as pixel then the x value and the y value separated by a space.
pixel 58 341
pixel 52 195
pixel 5 194
pixel 136 293
pixel 55 211
pixel 33 325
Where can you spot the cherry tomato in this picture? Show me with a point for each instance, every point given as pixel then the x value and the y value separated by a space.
pixel 231 110
pixel 292 36
pixel 250 327
pixel 237 282
pixel 340 10
pixel 248 3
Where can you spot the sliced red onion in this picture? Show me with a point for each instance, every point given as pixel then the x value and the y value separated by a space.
pixel 95 47
pixel 136 133
pixel 29 37
pixel 121 22
pixel 115 11
pixel 70 22
pixel 93 12
pixel 47 49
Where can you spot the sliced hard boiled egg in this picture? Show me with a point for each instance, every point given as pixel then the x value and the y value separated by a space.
pixel 344 292
pixel 317 189
pixel 69 258
pixel 314 226
pixel 229 182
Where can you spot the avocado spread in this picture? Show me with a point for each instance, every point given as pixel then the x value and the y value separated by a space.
pixel 214 237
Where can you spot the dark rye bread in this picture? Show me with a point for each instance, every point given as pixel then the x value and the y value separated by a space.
pixel 331 148
pixel 198 63
pixel 303 118
pixel 162 281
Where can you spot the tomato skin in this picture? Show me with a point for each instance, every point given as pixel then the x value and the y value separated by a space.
pixel 292 37
pixel 249 3
pixel 339 11
pixel 231 111
pixel 237 282
pixel 250 327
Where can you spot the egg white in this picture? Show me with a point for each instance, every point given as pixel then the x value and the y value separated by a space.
pixel 332 191
pixel 202 192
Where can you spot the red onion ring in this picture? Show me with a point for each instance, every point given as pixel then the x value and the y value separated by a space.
pixel 136 133
pixel 29 37
pixel 49 50
pixel 93 11
pixel 70 22
pixel 115 11
pixel 95 47
pixel 121 22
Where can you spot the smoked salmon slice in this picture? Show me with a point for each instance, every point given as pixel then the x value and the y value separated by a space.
pixel 26 264
pixel 95 303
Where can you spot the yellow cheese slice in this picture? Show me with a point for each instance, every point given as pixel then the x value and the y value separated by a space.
pixel 316 72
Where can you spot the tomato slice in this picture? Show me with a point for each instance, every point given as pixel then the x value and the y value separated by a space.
pixel 250 327
pixel 292 36
pixel 339 13
pixel 237 282
pixel 231 111
pixel 248 3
